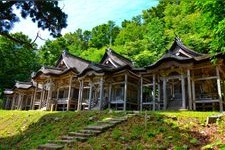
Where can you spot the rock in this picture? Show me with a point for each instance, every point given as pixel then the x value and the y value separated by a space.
pixel 212 119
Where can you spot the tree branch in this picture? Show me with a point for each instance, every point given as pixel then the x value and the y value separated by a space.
pixel 6 35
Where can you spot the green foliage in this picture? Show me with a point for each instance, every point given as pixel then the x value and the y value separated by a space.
pixel 47 15
pixel 103 35
pixel 17 61
pixel 146 37
pixel 116 134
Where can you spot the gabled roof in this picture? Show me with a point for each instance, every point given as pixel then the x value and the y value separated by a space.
pixel 23 85
pixel 53 71
pixel 180 53
pixel 114 60
pixel 72 61
pixel 8 92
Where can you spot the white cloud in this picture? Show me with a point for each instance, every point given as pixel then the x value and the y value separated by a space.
pixel 86 14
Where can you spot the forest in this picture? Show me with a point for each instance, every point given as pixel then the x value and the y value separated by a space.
pixel 143 39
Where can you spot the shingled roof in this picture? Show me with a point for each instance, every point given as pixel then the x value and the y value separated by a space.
pixel 71 61
pixel 114 60
pixel 180 53
pixel 23 85
pixel 8 92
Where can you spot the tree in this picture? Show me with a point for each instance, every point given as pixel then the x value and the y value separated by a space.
pixel 47 15
pixel 17 62
pixel 103 35
pixel 51 50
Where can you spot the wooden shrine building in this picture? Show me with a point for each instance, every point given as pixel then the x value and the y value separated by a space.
pixel 180 79
pixel 183 79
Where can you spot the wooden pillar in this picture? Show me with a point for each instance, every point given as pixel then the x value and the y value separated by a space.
pixel 80 96
pixel 26 101
pixel 141 94
pixel 13 101
pixel 164 94
pixel 57 98
pixel 101 94
pixel 42 96
pixel 219 89
pixel 7 102
pixel 159 93
pixel 90 96
pixel 189 89
pixel 154 86
pixel 69 94
pixel 49 95
pixel 34 97
pixel 193 94
pixel 110 95
pixel 183 91
pixel 125 93
pixel 19 105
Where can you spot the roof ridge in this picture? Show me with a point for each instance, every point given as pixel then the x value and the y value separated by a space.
pixel 77 57
pixel 184 47
pixel 119 55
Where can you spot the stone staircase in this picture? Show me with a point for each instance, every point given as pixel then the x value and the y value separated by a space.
pixel 84 134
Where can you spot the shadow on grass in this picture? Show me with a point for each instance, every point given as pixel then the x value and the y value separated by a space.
pixel 157 131
pixel 49 127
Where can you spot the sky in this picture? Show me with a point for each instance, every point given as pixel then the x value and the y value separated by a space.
pixel 86 14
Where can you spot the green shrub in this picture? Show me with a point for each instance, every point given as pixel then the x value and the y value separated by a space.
pixel 116 134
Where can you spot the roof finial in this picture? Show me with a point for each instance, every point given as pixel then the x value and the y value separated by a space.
pixel 109 49
pixel 64 52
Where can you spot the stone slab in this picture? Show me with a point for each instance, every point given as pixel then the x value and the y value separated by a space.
pixel 50 146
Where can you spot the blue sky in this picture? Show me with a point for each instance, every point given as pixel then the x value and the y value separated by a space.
pixel 86 14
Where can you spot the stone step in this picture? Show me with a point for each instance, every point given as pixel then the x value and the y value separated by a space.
pixel 98 127
pixel 95 132
pixel 80 134
pixel 62 141
pixel 78 138
pixel 50 146
pixel 109 123
pixel 131 115
pixel 119 119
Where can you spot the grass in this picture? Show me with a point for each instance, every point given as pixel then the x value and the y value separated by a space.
pixel 28 129
pixel 151 130
pixel 162 130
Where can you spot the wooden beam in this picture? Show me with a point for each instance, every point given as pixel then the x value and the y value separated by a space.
pixel 183 92
pixel 49 95
pixel 159 92
pixel 42 96
pixel 13 101
pixel 90 96
pixel 125 93
pixel 7 102
pixel 34 97
pixel 80 96
pixel 69 93
pixel 205 78
pixel 164 94
pixel 110 95
pixel 57 98
pixel 193 94
pixel 189 89
pixel 219 89
pixel 154 92
pixel 141 94
pixel 20 103
pixel 101 93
